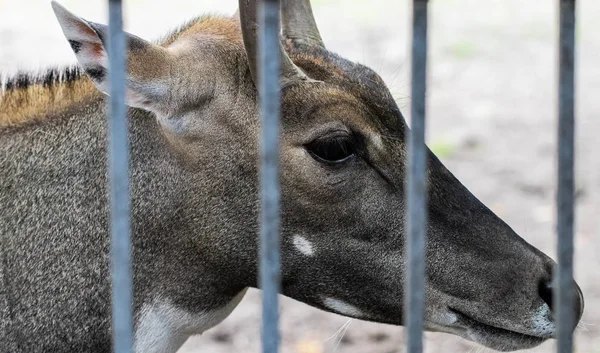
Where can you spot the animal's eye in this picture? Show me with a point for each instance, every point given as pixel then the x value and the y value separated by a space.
pixel 332 149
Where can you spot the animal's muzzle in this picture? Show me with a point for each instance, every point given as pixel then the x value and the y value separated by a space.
pixel 546 292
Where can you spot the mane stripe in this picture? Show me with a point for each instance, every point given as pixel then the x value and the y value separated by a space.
pixel 29 97
pixel 52 77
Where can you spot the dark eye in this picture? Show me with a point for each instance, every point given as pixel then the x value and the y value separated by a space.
pixel 332 149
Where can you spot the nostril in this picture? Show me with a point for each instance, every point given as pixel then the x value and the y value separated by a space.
pixel 545 291
pixel 579 302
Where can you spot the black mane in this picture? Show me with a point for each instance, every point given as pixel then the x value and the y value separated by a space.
pixel 51 77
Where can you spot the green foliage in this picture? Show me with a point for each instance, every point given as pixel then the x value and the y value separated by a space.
pixel 443 148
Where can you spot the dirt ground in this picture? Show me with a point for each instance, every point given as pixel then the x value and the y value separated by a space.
pixel 491 119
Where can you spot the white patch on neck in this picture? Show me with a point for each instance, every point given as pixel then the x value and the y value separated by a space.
pixel 303 245
pixel 341 307
pixel 542 323
pixel 161 327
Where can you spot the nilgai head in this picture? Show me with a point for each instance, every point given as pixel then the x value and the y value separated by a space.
pixel 343 162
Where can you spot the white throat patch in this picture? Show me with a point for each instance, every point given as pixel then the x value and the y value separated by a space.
pixel 161 327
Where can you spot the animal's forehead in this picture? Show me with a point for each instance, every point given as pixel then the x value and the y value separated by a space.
pixel 324 103
pixel 351 84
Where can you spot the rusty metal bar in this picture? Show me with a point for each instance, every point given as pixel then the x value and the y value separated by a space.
pixel 417 185
pixel 565 288
pixel 269 92
pixel 118 164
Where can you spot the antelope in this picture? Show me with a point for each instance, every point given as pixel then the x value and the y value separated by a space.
pixel 194 131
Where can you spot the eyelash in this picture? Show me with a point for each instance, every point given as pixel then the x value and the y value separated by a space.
pixel 332 150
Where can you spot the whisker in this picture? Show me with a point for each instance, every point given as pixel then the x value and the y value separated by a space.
pixel 473 346
pixel 342 335
pixel 460 339
pixel 583 326
pixel 346 324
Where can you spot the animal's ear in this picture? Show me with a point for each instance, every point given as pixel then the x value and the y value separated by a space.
pixel 147 63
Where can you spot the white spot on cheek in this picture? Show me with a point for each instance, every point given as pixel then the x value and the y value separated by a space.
pixel 377 141
pixel 341 307
pixel 303 245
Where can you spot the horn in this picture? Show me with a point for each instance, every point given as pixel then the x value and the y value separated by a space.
pixel 289 71
pixel 298 22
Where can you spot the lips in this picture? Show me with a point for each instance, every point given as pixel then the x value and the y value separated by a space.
pixel 497 338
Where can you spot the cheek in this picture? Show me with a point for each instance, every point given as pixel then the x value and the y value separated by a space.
pixel 297 168
pixel 311 183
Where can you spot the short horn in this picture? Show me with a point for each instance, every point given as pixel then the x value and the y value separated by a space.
pixel 248 19
pixel 298 22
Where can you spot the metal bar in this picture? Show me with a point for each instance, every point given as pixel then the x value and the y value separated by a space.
pixel 269 92
pixel 118 164
pixel 564 288
pixel 417 184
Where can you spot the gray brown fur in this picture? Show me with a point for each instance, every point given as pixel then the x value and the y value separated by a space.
pixel 54 222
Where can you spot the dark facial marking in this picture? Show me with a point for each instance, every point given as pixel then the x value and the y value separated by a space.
pixel 96 73
pixel 75 45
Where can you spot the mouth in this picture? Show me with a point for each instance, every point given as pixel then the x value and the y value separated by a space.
pixel 497 338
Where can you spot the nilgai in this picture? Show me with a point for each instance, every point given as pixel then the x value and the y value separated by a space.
pixel 193 128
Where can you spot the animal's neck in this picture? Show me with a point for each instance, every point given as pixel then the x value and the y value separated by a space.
pixel 25 99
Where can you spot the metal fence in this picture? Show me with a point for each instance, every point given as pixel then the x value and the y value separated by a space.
pixel 269 279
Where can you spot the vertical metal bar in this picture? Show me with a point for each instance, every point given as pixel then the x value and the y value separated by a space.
pixel 269 91
pixel 417 183
pixel 118 160
pixel 564 288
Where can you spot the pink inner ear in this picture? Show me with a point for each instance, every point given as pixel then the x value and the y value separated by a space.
pixel 97 50
pixel 91 54
pixel 94 43
pixel 81 32
pixel 84 29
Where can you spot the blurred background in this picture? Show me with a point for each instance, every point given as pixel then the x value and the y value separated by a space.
pixel 491 119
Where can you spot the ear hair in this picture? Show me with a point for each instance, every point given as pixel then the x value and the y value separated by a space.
pixel 145 60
